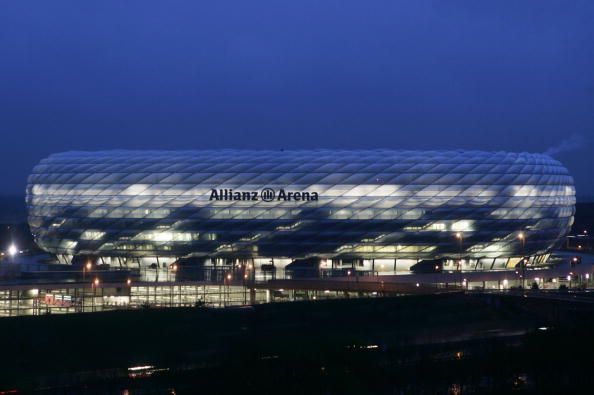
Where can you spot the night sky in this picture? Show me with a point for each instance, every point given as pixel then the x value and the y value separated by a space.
pixel 497 75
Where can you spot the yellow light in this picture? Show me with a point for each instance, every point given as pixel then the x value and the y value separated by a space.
pixel 521 236
pixel 89 265
pixel 96 281
pixel 458 235
pixel 128 281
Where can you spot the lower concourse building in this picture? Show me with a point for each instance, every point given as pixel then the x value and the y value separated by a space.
pixel 377 208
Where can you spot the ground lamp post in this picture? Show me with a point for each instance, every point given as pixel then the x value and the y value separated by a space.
pixel 94 285
pixel 228 281
pixel 245 277
pixel 459 237
pixel 87 267
pixel 129 285
pixel 522 239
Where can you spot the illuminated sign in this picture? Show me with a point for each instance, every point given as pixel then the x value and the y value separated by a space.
pixel 265 195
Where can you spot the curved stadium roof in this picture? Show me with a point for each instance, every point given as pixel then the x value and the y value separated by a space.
pixel 371 203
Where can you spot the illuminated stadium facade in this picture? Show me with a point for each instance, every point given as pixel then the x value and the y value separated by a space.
pixel 373 207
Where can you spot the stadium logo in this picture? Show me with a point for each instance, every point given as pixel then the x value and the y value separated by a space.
pixel 265 195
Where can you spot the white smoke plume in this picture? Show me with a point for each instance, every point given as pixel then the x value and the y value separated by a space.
pixel 572 143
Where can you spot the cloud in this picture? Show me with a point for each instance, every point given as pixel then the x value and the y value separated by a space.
pixel 572 143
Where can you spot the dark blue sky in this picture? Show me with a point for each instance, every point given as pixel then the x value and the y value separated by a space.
pixel 497 75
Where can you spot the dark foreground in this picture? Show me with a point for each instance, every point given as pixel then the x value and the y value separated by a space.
pixel 443 344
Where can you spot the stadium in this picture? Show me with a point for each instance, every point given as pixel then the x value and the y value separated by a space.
pixel 381 209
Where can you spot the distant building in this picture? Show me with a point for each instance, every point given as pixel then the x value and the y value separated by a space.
pixel 372 207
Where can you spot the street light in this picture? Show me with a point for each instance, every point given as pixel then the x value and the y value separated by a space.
pixel 12 251
pixel 94 285
pixel 227 281
pixel 522 238
pixel 87 267
pixel 460 239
